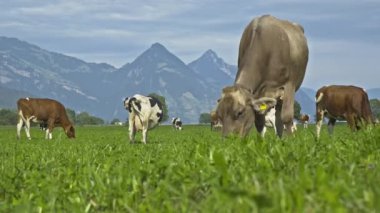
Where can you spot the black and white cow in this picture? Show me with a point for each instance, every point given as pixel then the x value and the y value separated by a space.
pixel 144 113
pixel 270 121
pixel 177 123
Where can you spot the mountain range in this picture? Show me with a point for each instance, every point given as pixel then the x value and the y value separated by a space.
pixel 99 88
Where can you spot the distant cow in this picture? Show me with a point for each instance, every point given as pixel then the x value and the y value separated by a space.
pixel 304 120
pixel 144 113
pixel 44 111
pixel 348 103
pixel 177 123
pixel 272 61
pixel 215 122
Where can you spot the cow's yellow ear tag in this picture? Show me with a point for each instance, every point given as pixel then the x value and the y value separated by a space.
pixel 263 107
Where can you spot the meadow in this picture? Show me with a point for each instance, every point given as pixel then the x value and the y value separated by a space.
pixel 192 170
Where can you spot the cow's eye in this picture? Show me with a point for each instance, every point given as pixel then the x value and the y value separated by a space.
pixel 239 114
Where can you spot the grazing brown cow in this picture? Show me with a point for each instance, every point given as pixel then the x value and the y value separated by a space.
pixel 348 103
pixel 46 111
pixel 304 120
pixel 273 55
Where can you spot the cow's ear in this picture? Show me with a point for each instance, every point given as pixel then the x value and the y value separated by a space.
pixel 261 105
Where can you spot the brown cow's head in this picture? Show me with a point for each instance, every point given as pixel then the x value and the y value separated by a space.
pixel 236 110
pixel 70 132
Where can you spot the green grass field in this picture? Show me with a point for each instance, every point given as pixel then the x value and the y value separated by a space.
pixel 189 171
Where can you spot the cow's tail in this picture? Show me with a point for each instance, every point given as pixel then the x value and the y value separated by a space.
pixel 319 97
pixel 366 110
pixel 135 104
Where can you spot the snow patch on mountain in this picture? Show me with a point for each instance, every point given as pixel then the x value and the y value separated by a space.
pixel 135 72
pixel 76 90
pixel 161 65
pixel 162 82
pixel 22 73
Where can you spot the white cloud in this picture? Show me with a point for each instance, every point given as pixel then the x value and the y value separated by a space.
pixel 11 24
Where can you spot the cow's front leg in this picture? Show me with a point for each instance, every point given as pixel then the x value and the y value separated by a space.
pixel 287 112
pixel 49 129
pixel 351 122
pixel 260 124
pixel 278 121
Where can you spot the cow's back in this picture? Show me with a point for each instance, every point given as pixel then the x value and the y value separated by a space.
pixel 149 109
pixel 40 108
pixel 339 100
pixel 272 53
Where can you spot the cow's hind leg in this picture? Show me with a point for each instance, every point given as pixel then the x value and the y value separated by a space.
pixel 132 131
pixel 27 128
pixel 331 125
pixel 132 134
pixel 48 134
pixel 318 126
pixel 20 123
pixel 145 131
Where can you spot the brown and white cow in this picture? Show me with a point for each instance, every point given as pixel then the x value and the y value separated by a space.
pixel 44 111
pixel 273 55
pixel 145 113
pixel 304 120
pixel 348 103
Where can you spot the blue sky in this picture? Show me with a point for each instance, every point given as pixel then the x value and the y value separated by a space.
pixel 343 35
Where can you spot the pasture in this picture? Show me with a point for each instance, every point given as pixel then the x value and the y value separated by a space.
pixel 193 170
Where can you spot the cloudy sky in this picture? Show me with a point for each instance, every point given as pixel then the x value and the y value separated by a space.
pixel 343 35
